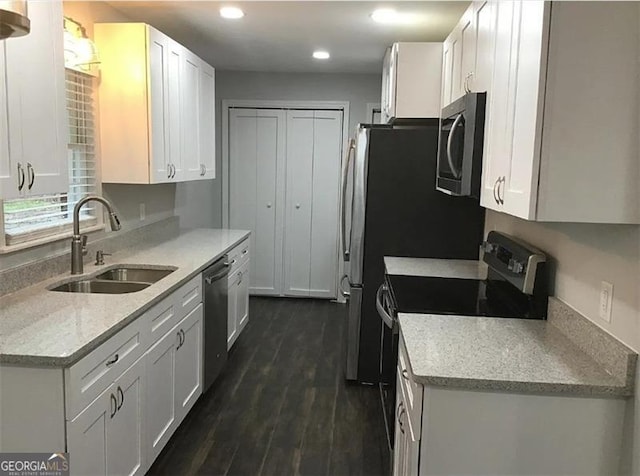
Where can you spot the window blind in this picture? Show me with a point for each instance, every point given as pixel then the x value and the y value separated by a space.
pixel 37 217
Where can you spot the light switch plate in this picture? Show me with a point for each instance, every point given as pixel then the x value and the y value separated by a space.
pixel 606 300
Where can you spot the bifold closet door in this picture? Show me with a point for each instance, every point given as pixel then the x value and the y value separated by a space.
pixel 314 144
pixel 256 161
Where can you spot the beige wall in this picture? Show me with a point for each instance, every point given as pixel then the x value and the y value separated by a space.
pixel 583 255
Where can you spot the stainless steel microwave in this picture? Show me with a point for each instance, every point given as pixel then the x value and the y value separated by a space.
pixel 459 170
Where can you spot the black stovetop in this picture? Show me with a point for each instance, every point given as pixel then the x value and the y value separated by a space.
pixel 468 297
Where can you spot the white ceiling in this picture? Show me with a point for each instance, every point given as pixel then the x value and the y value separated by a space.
pixel 280 36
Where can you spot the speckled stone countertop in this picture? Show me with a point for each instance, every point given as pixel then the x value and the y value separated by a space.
pixel 509 355
pixel 42 328
pixel 437 268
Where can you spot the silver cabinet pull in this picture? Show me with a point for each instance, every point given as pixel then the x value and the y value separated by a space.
pixel 456 173
pixel 501 181
pixel 168 170
pixel 121 395
pixel 231 263
pixel 495 193
pixel 297 205
pixel 269 205
pixel 109 363
pixel 31 174
pixel 405 374
pixel 239 282
pixel 20 177
pixel 114 406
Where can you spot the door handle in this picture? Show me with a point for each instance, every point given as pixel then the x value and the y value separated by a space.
pixel 386 318
pixel 31 174
pixel 456 173
pixel 20 177
pixel 121 395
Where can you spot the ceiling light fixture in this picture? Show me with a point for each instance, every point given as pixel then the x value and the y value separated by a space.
pixel 321 55
pixel 389 16
pixel 231 13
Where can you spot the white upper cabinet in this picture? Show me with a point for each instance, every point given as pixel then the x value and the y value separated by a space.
pixel 411 79
pixel 562 111
pixel 33 114
pixel 156 100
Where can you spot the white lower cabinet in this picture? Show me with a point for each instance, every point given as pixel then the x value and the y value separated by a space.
pixel 446 431
pixel 173 380
pixel 107 437
pixel 238 302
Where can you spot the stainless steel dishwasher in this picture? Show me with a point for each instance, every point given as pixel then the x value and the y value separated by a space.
pixel 214 284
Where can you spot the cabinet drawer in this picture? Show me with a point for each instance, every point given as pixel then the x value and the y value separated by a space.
pixel 238 255
pixel 411 392
pixel 89 377
pixel 167 313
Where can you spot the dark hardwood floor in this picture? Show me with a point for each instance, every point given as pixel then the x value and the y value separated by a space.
pixel 281 406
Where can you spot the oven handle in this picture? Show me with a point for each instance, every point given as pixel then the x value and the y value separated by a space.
pixel 386 318
pixel 456 173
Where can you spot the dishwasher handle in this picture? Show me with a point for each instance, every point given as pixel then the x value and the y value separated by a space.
pixel 215 277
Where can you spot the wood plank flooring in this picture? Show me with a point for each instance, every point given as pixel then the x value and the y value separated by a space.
pixel 281 406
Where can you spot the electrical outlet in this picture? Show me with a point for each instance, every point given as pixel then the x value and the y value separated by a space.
pixel 143 212
pixel 606 300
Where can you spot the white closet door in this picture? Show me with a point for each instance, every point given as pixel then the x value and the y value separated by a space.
pixel 327 146
pixel 256 152
pixel 299 193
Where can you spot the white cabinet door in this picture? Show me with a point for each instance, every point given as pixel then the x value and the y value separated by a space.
pixel 499 136
pixel 242 298
pixel 257 152
pixel 158 47
pixel 38 125
pixel 447 72
pixel 300 142
pixel 87 435
pixel 160 393
pixel 485 27
pixel 207 121
pixel 8 178
pixel 456 63
pixel 384 97
pixel 327 146
pixel 467 40
pixel 189 362
pixel 190 76
pixel 173 120
pixel 125 437
pixel 528 40
pixel 232 308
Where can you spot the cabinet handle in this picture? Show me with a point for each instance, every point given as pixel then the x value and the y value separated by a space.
pixel 183 337
pixel 179 340
pixel 114 406
pixel 297 205
pixel 231 263
pixel 405 374
pixel 502 181
pixel 495 193
pixel 112 361
pixel 240 274
pixel 244 252
pixel 31 174
pixel 168 170
pixel 20 177
pixel 401 411
pixel 121 395
pixel 269 205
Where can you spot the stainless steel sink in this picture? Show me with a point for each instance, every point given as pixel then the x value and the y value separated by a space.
pixel 140 275
pixel 101 287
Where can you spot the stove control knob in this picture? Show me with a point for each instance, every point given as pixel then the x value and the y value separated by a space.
pixel 515 266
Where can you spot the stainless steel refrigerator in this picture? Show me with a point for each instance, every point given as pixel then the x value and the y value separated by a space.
pixel 391 208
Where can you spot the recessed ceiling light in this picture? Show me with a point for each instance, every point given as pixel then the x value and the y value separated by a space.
pixel 232 13
pixel 384 15
pixel 389 16
pixel 321 54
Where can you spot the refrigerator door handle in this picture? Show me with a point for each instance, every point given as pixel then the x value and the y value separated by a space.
pixel 345 247
pixel 386 318
pixel 342 291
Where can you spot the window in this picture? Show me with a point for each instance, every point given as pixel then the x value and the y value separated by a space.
pixel 39 217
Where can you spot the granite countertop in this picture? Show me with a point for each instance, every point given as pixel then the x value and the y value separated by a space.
pixel 43 328
pixel 437 268
pixel 511 355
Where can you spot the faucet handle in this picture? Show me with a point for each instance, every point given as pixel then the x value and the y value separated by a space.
pixel 84 245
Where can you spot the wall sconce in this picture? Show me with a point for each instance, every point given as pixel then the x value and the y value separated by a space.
pixel 80 53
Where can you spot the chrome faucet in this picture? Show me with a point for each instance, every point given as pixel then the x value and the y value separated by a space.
pixel 78 241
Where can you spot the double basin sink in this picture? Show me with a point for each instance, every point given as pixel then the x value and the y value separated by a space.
pixel 117 280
